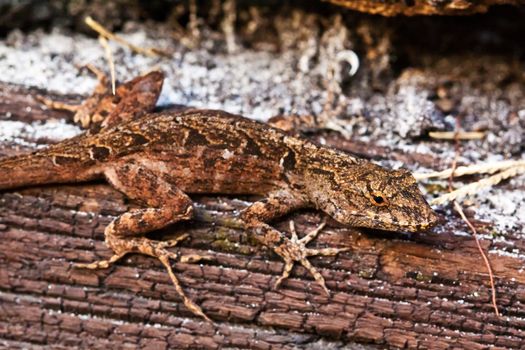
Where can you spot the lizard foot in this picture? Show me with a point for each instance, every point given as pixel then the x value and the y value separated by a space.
pixel 155 249
pixel 294 250
pixel 121 247
pixel 52 104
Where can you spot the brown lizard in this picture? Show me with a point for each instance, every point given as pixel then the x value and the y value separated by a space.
pixel 160 158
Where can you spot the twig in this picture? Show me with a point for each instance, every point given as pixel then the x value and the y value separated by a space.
pixel 469 224
pixel 97 27
pixel 111 61
pixel 461 135
pixel 485 258
pixel 228 24
pixel 193 24
pixel 457 150
pixel 488 168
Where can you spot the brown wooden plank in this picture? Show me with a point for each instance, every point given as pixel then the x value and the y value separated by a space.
pixel 426 290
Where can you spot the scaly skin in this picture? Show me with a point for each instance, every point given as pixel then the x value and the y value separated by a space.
pixel 158 158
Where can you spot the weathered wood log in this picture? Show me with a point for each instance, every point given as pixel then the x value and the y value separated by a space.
pixel 423 7
pixel 427 290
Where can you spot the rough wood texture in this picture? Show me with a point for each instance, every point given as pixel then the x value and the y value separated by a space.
pixel 423 7
pixel 421 291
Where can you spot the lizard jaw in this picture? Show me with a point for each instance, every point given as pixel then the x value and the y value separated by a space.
pixel 375 222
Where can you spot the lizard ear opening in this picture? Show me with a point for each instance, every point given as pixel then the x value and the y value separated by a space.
pixel 378 199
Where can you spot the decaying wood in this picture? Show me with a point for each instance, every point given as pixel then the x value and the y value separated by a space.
pixel 423 7
pixel 420 291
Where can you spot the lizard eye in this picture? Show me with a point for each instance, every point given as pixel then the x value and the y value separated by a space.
pixel 378 199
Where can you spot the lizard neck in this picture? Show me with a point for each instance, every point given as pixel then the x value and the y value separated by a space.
pixel 324 173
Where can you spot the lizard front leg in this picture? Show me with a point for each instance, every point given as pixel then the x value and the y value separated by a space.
pixel 165 203
pixel 278 204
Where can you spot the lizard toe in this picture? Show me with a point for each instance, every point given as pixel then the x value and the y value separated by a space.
pixel 100 264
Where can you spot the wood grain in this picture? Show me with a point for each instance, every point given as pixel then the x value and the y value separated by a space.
pixel 419 291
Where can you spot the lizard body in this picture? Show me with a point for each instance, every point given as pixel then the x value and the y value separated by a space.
pixel 158 158
pixel 209 151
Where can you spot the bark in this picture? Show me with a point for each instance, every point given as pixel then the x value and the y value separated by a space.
pixel 427 290
pixel 423 7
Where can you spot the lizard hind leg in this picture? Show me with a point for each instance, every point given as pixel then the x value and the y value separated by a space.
pixel 103 109
pixel 85 112
pixel 165 203
pixel 122 247
pixel 155 249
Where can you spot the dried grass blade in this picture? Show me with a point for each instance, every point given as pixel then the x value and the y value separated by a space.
pixel 97 27
pixel 478 185
pixel 488 168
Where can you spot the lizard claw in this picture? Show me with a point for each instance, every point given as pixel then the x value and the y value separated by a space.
pixel 295 250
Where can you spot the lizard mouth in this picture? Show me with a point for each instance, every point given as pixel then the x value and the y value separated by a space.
pixel 363 220
pixel 417 225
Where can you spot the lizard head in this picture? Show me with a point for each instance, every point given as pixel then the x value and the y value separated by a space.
pixel 375 197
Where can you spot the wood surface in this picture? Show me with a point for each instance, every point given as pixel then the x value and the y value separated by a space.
pixel 419 291
pixel 423 7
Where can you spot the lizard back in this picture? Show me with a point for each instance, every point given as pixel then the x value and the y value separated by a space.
pixel 200 151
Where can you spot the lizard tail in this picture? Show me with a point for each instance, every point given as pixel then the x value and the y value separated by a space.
pixel 43 167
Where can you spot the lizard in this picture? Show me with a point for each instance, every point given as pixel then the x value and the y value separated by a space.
pixel 158 159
